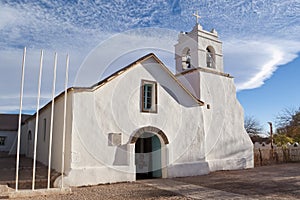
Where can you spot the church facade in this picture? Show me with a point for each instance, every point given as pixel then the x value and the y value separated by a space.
pixel 145 122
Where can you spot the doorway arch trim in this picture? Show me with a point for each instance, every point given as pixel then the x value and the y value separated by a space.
pixel 151 129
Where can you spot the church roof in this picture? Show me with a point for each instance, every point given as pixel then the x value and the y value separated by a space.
pixel 133 64
pixel 121 71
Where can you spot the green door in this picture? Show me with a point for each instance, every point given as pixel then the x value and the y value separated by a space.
pixel 156 157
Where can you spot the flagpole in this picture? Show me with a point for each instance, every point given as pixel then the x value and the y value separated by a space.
pixel 64 126
pixel 51 125
pixel 37 120
pixel 20 118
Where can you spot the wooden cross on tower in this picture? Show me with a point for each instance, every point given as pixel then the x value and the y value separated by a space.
pixel 197 16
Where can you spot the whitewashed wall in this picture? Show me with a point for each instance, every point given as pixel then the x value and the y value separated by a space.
pixel 200 139
pixel 115 108
pixel 9 141
pixel 43 145
pixel 227 145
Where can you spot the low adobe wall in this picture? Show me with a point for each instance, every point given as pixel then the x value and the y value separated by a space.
pixel 265 155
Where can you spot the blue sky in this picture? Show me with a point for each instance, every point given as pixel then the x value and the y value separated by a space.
pixel 279 92
pixel 261 44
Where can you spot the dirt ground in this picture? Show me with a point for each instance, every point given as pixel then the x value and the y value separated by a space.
pixel 280 181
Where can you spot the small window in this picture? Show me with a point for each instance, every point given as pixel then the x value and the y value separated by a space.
pixel 149 96
pixel 210 57
pixel 2 140
pixel 29 137
pixel 45 129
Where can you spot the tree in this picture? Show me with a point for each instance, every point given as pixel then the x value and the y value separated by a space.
pixel 281 140
pixel 252 126
pixel 288 123
pixel 285 117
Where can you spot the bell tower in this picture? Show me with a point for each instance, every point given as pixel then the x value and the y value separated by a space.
pixel 196 52
pixel 199 67
pixel 198 48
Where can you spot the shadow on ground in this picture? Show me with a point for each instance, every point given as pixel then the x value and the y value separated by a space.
pixel 267 181
pixel 8 172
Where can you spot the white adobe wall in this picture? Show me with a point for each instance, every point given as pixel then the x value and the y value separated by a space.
pixel 9 141
pixel 43 145
pixel 191 82
pixel 115 108
pixel 25 144
pixel 227 144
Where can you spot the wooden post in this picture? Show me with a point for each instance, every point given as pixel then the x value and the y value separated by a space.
pixel 271 136
pixel 271 133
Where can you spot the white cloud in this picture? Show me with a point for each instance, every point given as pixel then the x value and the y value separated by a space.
pixel 8 16
pixel 124 48
pixel 10 77
pixel 252 62
pixel 77 27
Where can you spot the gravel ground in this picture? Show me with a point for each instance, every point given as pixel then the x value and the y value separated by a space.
pixel 268 182
pixel 116 191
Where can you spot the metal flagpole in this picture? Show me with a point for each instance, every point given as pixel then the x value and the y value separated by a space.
pixel 52 113
pixel 64 126
pixel 37 120
pixel 20 118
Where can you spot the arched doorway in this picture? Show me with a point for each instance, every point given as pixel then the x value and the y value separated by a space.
pixel 150 153
pixel 148 156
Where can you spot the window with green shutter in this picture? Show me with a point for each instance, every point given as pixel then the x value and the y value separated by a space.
pixel 149 96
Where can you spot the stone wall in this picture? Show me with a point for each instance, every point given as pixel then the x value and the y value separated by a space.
pixel 265 155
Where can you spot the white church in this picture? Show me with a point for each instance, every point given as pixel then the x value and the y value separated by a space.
pixel 145 122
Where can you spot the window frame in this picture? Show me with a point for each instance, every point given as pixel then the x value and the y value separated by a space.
pixel 153 108
pixel 2 140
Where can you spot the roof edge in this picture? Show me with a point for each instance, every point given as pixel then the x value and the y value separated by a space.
pixel 116 74
pixel 121 71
